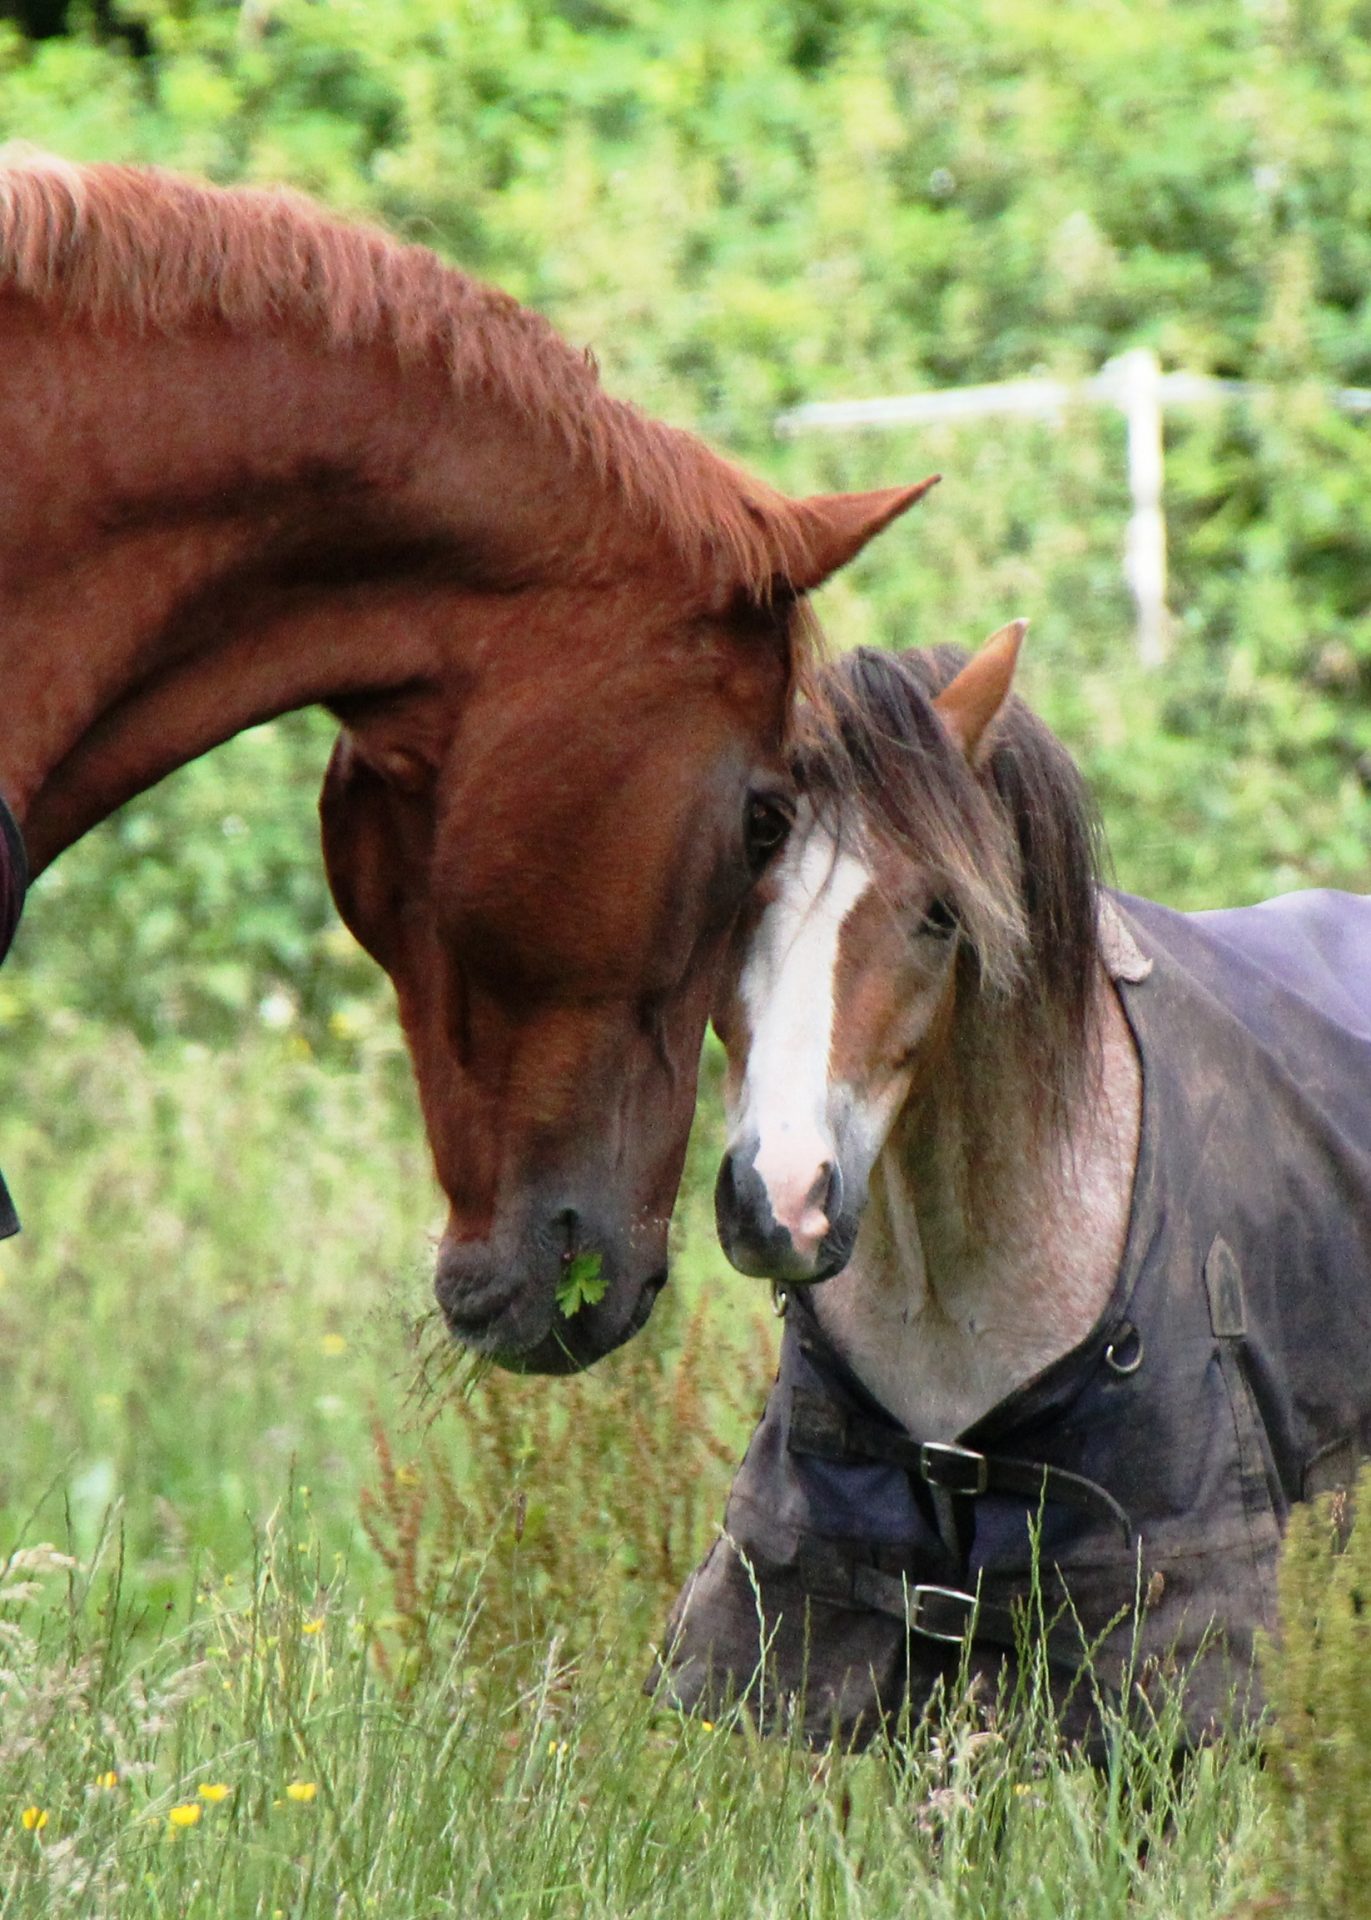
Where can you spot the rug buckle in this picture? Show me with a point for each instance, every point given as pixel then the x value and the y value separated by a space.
pixel 953 1469
pixel 927 1613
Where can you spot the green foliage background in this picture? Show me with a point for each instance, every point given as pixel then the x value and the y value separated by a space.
pixel 745 206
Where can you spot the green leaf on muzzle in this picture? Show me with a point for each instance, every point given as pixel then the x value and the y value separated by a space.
pixel 582 1283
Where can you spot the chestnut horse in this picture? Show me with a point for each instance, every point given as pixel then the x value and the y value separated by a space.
pixel 1087 1186
pixel 255 459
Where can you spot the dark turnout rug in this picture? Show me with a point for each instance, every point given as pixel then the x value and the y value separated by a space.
pixel 1229 1376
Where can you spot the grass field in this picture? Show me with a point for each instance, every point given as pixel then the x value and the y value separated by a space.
pixel 290 1626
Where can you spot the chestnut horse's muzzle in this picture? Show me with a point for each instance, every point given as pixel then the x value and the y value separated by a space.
pixel 514 1296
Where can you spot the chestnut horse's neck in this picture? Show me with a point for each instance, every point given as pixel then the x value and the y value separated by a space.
pixel 254 459
pixel 942 1314
pixel 210 531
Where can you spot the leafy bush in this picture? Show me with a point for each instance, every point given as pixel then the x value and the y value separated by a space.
pixel 747 206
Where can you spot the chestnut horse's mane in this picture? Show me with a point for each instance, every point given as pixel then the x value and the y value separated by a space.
pixel 134 247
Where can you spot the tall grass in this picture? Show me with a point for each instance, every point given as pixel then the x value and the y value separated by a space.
pixel 255 1540
pixel 246 1757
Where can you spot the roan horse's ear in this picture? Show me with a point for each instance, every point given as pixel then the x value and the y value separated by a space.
pixel 836 526
pixel 969 705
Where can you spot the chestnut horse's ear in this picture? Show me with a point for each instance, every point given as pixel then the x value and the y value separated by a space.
pixel 400 765
pixel 399 735
pixel 836 526
pixel 969 705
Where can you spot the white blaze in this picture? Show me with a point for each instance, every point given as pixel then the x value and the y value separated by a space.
pixel 788 992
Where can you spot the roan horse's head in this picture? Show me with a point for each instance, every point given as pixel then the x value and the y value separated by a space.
pixel 548 859
pixel 899 900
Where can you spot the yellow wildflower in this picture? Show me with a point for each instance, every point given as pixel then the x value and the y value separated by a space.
pixel 708 1725
pixel 301 1790
pixel 184 1816
pixel 108 1780
pixel 214 1791
pixel 313 1626
pixel 34 1819
pixel 333 1344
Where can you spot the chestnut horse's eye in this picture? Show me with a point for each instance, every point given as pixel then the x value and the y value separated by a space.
pixel 939 919
pixel 766 828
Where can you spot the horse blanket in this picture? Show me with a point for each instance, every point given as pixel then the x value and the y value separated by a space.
pixel 1229 1375
pixel 14 873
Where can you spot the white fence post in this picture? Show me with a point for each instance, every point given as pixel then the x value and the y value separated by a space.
pixel 1139 393
pixel 1136 385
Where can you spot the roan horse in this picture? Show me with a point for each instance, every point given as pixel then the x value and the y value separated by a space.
pixel 1087 1184
pixel 255 459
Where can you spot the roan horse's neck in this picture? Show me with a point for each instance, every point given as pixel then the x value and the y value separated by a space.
pixel 199 533
pixel 941 1317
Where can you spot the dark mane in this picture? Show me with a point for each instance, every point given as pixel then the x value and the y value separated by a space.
pixel 123 246
pixel 1016 847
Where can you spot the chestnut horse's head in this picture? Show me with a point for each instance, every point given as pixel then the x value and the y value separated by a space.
pixel 548 858
pixel 280 461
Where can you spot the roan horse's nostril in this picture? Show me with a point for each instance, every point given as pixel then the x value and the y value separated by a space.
pixel 811 1222
pixel 564 1224
pixel 827 1192
pixel 726 1187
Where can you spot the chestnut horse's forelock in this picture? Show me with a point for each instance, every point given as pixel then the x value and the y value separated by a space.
pixel 137 247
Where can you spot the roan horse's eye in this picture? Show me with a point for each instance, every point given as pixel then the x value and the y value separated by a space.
pixel 939 919
pixel 766 827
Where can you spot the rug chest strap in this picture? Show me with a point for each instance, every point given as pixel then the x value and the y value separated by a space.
pixel 945 1614
pixel 819 1426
